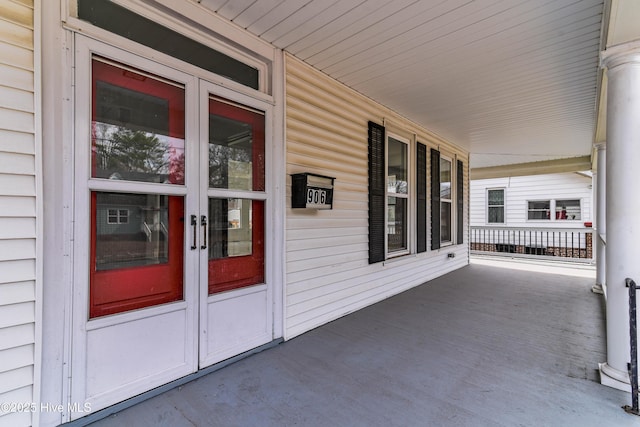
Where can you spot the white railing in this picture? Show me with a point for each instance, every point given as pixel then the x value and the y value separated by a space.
pixel 575 244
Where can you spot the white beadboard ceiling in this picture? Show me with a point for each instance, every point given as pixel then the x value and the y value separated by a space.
pixel 512 81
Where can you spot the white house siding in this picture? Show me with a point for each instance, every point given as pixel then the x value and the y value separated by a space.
pixel 17 208
pixel 520 189
pixel 327 269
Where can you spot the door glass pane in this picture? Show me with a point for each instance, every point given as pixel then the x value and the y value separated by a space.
pixel 230 230
pixel 236 243
pixel 236 147
pixel 137 126
pixel 142 241
pixel 137 245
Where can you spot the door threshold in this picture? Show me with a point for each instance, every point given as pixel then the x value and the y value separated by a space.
pixel 121 406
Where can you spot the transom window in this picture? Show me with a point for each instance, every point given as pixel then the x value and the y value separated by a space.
pixel 120 20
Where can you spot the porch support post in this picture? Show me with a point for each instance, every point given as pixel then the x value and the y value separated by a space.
pixel 601 223
pixel 623 204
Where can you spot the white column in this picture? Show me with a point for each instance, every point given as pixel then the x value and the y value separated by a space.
pixel 600 219
pixel 623 203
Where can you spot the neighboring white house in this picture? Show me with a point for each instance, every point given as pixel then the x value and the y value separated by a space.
pixel 554 200
pixel 539 214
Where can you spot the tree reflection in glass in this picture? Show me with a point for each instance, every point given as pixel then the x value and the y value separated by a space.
pixel 138 127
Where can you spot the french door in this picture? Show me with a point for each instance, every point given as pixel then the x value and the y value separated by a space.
pixel 235 301
pixel 171 201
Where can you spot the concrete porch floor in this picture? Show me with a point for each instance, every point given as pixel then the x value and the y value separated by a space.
pixel 482 346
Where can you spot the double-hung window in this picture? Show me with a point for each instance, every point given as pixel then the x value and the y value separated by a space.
pixel 495 206
pixel 446 201
pixel 397 195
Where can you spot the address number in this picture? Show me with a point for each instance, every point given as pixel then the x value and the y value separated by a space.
pixel 316 196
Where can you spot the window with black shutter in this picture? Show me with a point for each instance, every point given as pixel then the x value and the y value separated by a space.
pixel 435 199
pixel 377 193
pixel 421 195
pixel 460 202
pixel 392 229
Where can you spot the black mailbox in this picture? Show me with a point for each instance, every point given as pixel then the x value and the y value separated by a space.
pixel 311 191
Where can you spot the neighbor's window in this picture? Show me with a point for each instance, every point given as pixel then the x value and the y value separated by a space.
pixel 538 209
pixel 118 216
pixel 568 209
pixel 495 206
pixel 397 195
pixel 445 200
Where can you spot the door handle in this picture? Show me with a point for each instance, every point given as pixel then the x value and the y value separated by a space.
pixel 203 222
pixel 194 224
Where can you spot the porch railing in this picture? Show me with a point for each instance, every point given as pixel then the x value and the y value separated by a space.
pixel 633 341
pixel 565 243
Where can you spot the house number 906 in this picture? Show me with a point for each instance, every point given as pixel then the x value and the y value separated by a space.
pixel 316 196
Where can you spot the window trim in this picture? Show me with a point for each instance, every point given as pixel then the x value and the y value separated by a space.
pixel 503 205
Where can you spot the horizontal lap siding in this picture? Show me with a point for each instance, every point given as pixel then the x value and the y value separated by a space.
pixel 18 212
pixel 521 189
pixel 327 269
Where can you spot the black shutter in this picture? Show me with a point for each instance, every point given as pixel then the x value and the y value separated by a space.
pixel 435 199
pixel 377 193
pixel 421 186
pixel 460 201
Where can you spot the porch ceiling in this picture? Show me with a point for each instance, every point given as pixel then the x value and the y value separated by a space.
pixel 512 81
